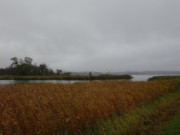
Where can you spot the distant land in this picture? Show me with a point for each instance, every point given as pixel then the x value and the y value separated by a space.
pixel 131 73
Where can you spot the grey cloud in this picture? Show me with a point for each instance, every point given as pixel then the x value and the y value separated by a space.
pixel 103 35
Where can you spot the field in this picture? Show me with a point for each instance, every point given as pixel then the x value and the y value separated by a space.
pixel 67 77
pixel 85 108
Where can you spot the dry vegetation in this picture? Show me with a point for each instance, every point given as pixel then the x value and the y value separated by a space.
pixel 53 108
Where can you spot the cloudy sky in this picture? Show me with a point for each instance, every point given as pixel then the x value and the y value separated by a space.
pixel 92 35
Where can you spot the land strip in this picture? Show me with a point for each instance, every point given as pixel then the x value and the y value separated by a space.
pixel 68 77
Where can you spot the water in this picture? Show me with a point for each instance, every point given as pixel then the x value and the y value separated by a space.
pixel 142 77
pixel 6 82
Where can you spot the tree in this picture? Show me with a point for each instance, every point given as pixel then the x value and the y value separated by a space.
pixel 15 62
pixel 59 72
pixel 43 69
pixel 28 60
pixel 24 66
pixel 90 75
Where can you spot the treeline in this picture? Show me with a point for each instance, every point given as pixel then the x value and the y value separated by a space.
pixel 24 67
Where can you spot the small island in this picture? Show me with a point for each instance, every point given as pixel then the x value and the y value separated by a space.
pixel 24 69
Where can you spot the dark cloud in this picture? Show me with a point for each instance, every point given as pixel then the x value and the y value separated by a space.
pixel 92 35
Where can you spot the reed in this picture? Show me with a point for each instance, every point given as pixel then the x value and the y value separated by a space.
pixel 68 109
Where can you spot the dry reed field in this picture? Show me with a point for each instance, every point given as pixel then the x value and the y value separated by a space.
pixel 60 108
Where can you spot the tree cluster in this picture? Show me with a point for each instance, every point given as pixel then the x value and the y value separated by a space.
pixel 26 68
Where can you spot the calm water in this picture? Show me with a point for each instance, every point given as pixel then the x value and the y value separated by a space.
pixel 5 82
pixel 142 77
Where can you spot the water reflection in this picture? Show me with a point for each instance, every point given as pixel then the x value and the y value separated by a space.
pixel 6 82
pixel 142 77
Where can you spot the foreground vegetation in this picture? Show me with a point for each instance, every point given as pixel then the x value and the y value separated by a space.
pixel 172 127
pixel 144 119
pixel 82 108
pixel 67 77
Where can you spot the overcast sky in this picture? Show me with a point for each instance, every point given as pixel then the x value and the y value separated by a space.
pixel 92 35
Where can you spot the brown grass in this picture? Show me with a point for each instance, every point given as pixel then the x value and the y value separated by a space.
pixel 48 108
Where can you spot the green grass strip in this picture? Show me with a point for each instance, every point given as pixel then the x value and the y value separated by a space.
pixel 163 78
pixel 172 127
pixel 130 122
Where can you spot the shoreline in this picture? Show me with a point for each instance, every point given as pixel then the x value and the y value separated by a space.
pixel 70 77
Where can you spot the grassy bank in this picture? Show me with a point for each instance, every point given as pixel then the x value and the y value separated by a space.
pixel 67 77
pixel 137 120
pixel 172 127
pixel 163 78
pixel 81 107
